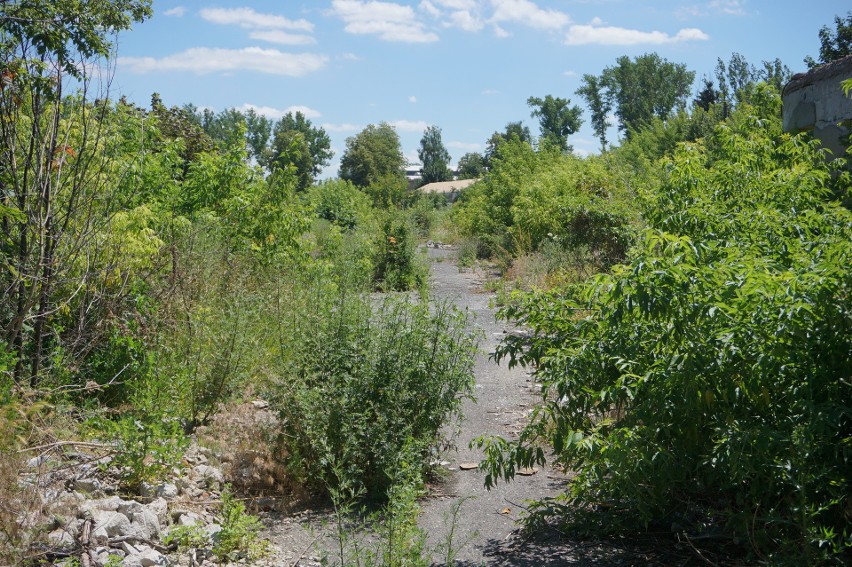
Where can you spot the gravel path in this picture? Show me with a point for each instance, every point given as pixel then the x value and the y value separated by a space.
pixel 485 528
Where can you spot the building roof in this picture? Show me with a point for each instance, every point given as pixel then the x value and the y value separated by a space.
pixel 448 186
pixel 841 68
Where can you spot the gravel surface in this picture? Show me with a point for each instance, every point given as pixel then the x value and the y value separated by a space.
pixel 485 528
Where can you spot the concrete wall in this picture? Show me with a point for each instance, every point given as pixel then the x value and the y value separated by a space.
pixel 814 102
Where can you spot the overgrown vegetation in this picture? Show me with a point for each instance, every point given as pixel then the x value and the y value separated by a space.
pixel 703 384
pixel 687 300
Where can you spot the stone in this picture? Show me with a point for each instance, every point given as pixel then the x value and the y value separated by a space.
pixel 146 557
pixel 208 476
pixel 260 404
pixel 62 540
pixel 165 490
pixel 145 524
pixel 88 485
pixel 161 508
pixel 188 519
pixel 110 525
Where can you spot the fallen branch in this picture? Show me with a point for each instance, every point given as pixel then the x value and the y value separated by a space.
pixel 55 444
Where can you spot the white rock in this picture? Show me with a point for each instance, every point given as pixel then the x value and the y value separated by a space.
pixel 146 557
pixel 189 519
pixel 208 476
pixel 145 524
pixel 88 485
pixel 165 490
pixel 62 540
pixel 109 525
pixel 161 508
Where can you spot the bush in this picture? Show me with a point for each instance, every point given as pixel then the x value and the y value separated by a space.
pixel 397 267
pixel 704 385
pixel 361 380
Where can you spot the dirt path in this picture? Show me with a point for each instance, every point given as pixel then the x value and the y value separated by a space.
pixel 485 527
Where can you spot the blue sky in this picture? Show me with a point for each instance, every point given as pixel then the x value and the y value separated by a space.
pixel 466 66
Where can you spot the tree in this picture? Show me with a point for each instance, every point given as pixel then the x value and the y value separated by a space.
pixel 707 96
pixel 556 118
pixel 296 143
pixel 54 173
pixel 642 88
pixel 599 106
pixel 833 44
pixel 371 155
pixel 471 166
pixel 514 131
pixel 738 76
pixel 434 157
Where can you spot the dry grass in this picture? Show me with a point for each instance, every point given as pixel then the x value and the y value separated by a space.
pixel 245 437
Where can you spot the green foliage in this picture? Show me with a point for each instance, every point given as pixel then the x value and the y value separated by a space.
pixel 373 156
pixel 703 385
pixel 471 166
pixel 397 267
pixel 186 537
pixel 148 446
pixel 239 536
pixel 434 157
pixel 366 384
pixel 531 197
pixel 557 119
pixel 834 44
pixel 301 146
pixel 638 90
pixel 339 202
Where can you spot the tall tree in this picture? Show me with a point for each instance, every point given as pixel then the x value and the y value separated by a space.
pixel 599 106
pixel 471 166
pixel 707 96
pixel 513 131
pixel 52 177
pixel 833 44
pixel 372 155
pixel 434 157
pixel 644 87
pixel 557 119
pixel 297 144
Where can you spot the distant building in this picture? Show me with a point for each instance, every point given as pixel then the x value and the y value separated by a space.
pixel 449 189
pixel 814 102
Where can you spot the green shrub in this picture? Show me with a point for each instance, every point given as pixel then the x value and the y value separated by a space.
pixel 397 266
pixel 240 534
pixel 705 385
pixel 362 379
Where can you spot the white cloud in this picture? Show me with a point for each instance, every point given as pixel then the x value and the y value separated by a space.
pixel 528 13
pixel 282 37
pixel 248 18
pixel 341 128
pixel 500 32
pixel 458 4
pixel 412 99
pixel 277 113
pixel 204 60
pixel 387 20
pixel 177 11
pixel 612 35
pixel 732 7
pixel 409 125
pixel 570 73
pixel 490 92
pixel 465 20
